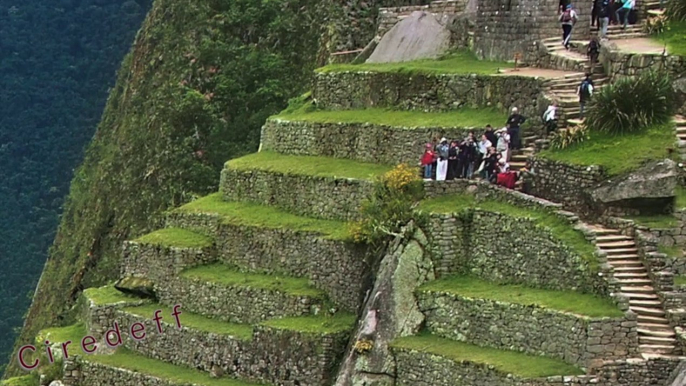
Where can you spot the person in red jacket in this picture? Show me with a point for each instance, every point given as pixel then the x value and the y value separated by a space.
pixel 427 161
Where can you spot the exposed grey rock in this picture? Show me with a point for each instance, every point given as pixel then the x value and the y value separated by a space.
pixel 419 36
pixel 679 376
pixel 56 383
pixel 657 179
pixel 136 286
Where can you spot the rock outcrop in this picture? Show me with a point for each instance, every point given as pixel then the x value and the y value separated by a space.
pixel 657 179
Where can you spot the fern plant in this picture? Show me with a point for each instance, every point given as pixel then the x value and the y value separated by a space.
pixel 571 136
pixel 676 10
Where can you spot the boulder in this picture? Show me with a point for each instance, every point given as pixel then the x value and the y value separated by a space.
pixel 680 89
pixel 56 383
pixel 657 179
pixel 418 36
pixel 678 378
pixel 136 286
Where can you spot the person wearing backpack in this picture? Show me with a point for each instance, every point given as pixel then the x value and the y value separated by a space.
pixel 567 19
pixel 593 52
pixel 625 10
pixel 550 119
pixel 585 92
pixel 604 18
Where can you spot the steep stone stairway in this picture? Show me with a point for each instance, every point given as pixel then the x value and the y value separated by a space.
pixel 680 127
pixel 564 90
pixel 656 336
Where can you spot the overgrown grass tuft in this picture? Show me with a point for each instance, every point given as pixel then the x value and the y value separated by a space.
pixel 565 301
pixel 656 221
pixel 308 165
pixel 461 62
pixel 222 274
pixel 557 226
pixel 504 361
pixel 680 197
pixel 675 251
pixel 26 380
pixel 249 214
pixel 618 154
pixel 195 321
pixel 175 237
pixel 462 118
pixel 108 295
pixel 674 37
pixel 319 324
pixel 676 10
pixel 73 333
pixel 128 360
pixel 680 280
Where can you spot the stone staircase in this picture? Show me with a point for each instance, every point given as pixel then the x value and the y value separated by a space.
pixel 680 127
pixel 652 8
pixel 656 336
pixel 632 31
pixel 564 91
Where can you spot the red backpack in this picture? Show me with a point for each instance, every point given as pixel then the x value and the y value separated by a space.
pixel 567 16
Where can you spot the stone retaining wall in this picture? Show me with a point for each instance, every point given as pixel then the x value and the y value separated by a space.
pixel 321 197
pixel 388 17
pixel 160 263
pixel 620 64
pixel 536 331
pixel 356 90
pixel 358 141
pixel 565 183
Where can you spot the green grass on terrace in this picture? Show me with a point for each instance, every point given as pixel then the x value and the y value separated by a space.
pixel 618 153
pixel 680 197
pixel 462 118
pixel 26 380
pixel 73 333
pixel 308 165
pixel 249 214
pixel 656 221
pixel 508 362
pixel 680 280
pixel 223 274
pixel 175 237
pixel 461 62
pixel 195 321
pixel 674 37
pixel 564 301
pixel 675 251
pixel 108 295
pixel 126 359
pixel 558 227
pixel 319 324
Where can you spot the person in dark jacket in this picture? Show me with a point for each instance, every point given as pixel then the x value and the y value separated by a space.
pixel 452 161
pixel 595 12
pixel 466 158
pixel 514 121
pixel 490 135
pixel 604 17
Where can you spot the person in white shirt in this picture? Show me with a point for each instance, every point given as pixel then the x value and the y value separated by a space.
pixel 503 145
pixel 550 118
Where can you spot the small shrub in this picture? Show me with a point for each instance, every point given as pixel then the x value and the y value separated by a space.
pixel 631 104
pixel 676 10
pixel 656 25
pixel 569 137
pixel 363 346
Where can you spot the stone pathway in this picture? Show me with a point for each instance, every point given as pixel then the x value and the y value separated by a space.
pixel 680 127
pixel 640 46
pixel 655 334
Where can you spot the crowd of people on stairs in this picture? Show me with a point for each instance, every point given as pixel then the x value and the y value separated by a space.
pixel 603 13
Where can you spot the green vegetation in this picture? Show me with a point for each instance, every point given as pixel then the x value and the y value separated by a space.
pixel 175 237
pixel 225 275
pixel 243 213
pixel 655 221
pixel 680 197
pixel 674 37
pixel 107 295
pixel 195 321
pixel 680 280
pixel 618 154
pixel 26 380
pixel 319 324
pixel 308 165
pixel 557 226
pixel 464 117
pixel 461 62
pixel 565 301
pixel 675 251
pixel 128 360
pixel 509 362
pixel 72 333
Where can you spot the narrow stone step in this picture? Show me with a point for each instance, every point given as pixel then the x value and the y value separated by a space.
pixel 621 251
pixel 658 341
pixel 637 269
pixel 617 244
pixel 637 282
pixel 623 257
pixel 664 333
pixel 638 289
pixel 633 295
pixel 631 275
pixel 656 349
pixel 647 311
pixel 626 263
pixel 645 303
pixel 652 319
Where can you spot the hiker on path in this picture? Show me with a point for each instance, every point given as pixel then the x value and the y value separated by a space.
pixel 514 121
pixel 593 52
pixel 567 19
pixel 442 164
pixel 427 161
pixel 625 10
pixel 604 18
pixel 595 14
pixel 453 165
pixel 585 92
pixel 550 118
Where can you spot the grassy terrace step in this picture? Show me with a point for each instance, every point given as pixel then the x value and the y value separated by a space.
pixel 73 333
pixel 462 62
pixel 26 380
pixel 673 37
pixel 564 301
pixel 175 237
pixel 249 214
pixel 106 295
pixel 558 227
pixel 507 362
pixel 124 359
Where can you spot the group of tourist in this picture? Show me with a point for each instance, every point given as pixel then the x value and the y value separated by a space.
pixel 603 13
pixel 584 91
pixel 486 157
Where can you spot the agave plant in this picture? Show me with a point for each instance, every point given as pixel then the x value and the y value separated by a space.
pixel 676 10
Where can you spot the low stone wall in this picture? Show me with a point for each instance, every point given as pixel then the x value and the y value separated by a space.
pixel 157 262
pixel 574 339
pixel 356 90
pixel 338 267
pixel 388 17
pixel 235 303
pixel 358 141
pixel 321 197
pixel 619 64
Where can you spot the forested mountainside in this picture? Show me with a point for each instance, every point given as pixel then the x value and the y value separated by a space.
pixel 57 61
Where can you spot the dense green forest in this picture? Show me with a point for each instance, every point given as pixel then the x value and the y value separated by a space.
pixel 57 61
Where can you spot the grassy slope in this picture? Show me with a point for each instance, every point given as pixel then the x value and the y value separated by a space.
pixel 107 295
pixel 141 160
pixel 680 280
pixel 175 237
pixel 565 301
pixel 618 153
pixel 462 62
pixel 674 38
pixel 509 362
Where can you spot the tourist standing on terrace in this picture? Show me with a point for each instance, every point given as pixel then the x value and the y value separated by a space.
pixel 467 157
pixel 585 92
pixel 490 135
pixel 514 121
pixel 604 18
pixel 427 161
pixel 550 118
pixel 625 10
pixel 503 145
pixel 442 163
pixel 453 164
pixel 484 146
pixel 567 19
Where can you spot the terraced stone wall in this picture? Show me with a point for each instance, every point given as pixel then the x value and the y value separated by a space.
pixel 355 90
pixel 358 141
pixel 388 17
pixel 321 197
pixel 498 21
pixel 619 64
pixel 161 263
pixel 574 339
